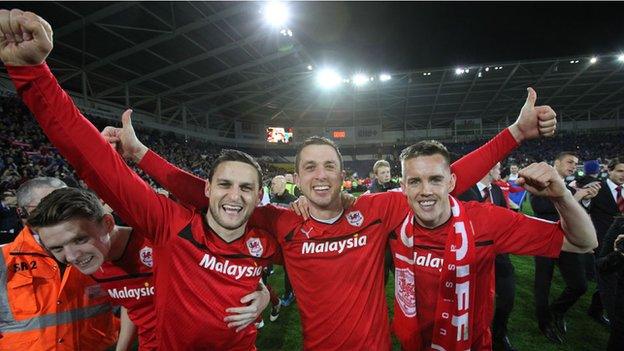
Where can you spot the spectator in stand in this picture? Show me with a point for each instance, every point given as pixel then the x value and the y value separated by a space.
pixel 383 178
pixel 10 224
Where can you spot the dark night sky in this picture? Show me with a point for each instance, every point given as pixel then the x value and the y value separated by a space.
pixel 413 35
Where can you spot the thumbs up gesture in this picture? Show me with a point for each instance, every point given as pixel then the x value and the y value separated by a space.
pixel 534 121
pixel 124 139
pixel 25 38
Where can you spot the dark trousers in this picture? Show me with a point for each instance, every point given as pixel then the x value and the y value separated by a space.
pixel 572 269
pixel 596 306
pixel 505 294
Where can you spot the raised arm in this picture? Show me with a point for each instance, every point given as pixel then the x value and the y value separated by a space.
pixel 188 188
pixel 74 136
pixel 533 121
pixel 540 179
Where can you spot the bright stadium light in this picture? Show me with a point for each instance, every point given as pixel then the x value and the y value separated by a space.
pixel 310 67
pixel 360 79
pixel 621 58
pixel 593 60
pixel 276 13
pixel 328 78
pixel 459 71
pixel 384 77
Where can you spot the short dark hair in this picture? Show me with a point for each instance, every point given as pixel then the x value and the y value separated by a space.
pixel 236 156
pixel 66 204
pixel 426 148
pixel 317 140
pixel 614 162
pixel 563 154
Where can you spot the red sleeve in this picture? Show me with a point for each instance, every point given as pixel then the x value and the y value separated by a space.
pixel 517 233
pixel 188 188
pixel 95 161
pixel 474 166
pixel 272 218
pixel 392 205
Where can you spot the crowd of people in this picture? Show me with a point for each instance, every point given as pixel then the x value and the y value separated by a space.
pixel 71 262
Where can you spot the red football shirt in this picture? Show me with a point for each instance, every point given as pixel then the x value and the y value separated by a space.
pixel 129 283
pixel 497 230
pixel 197 273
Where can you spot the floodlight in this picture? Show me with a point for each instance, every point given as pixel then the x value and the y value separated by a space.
pixel 360 79
pixel 593 60
pixel 276 13
pixel 621 58
pixel 384 77
pixel 328 78
pixel 487 69
pixel 310 67
pixel 459 71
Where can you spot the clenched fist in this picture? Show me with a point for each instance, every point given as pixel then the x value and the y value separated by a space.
pixel 25 38
pixel 541 179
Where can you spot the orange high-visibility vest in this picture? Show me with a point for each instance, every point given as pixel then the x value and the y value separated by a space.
pixel 40 310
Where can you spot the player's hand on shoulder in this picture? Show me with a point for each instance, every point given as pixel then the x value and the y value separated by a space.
pixel 301 207
pixel 25 38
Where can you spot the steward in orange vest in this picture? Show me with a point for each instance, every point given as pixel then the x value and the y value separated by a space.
pixel 46 307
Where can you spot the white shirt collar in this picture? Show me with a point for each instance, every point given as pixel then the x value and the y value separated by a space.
pixel 611 185
pixel 482 186
pixel 328 221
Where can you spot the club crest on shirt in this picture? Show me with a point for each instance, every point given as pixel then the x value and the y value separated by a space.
pixel 404 290
pixel 355 218
pixel 146 256
pixel 255 247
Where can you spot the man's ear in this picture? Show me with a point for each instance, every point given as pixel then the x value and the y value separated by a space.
pixel 207 189
pixel 109 222
pixel 452 183
pixel 296 179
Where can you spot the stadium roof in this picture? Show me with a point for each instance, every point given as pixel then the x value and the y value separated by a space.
pixel 190 62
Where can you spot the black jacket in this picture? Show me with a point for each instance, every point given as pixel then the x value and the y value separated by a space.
pixel 377 187
pixel 603 210
pixel 544 208
pixel 473 194
pixel 611 275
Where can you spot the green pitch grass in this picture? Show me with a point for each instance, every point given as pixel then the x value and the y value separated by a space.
pixel 583 333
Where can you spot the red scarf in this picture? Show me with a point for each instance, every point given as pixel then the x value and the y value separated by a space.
pixel 452 329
